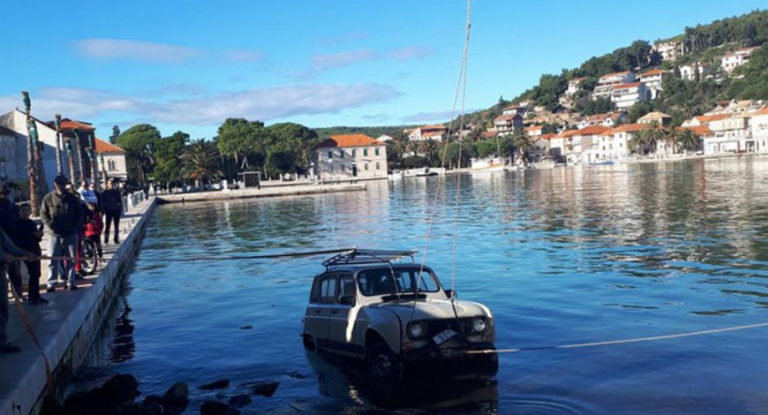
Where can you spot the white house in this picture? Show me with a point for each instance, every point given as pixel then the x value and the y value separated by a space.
pixel 435 132
pixel 655 117
pixel 111 159
pixel 670 49
pixel 607 82
pixel 13 157
pixel 16 122
pixel 627 95
pixel 557 145
pixel 688 72
pixel 759 130
pixel 344 157
pixel 615 144
pixel 384 138
pixel 507 123
pixel 733 60
pixel 653 80
pixel 535 131
pixel 573 86
pixel 609 119
pixel 515 110
pixel 581 146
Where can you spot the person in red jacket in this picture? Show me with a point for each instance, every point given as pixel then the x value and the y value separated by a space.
pixel 94 227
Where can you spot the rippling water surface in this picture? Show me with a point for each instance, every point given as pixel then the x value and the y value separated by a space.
pixel 567 255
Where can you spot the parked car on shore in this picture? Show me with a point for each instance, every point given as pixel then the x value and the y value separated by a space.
pixel 397 317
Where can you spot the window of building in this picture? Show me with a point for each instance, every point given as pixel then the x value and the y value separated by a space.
pixel 377 165
pixel 365 166
pixel 330 154
pixel 341 153
pixel 354 152
pixel 376 151
pixel 365 152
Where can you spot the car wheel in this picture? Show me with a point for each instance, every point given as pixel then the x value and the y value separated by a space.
pixel 309 342
pixel 382 363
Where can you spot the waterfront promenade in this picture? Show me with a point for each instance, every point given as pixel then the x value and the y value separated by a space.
pixel 65 328
pixel 268 190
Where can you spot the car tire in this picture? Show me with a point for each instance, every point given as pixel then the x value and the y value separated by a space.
pixel 308 341
pixel 383 365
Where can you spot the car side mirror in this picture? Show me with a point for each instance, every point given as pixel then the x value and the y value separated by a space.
pixel 347 300
pixel 450 293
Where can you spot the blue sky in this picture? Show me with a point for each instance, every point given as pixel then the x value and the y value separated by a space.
pixel 190 64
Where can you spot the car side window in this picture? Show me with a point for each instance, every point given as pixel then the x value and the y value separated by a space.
pixel 346 287
pixel 314 296
pixel 328 289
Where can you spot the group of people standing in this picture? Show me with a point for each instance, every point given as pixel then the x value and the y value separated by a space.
pixel 68 216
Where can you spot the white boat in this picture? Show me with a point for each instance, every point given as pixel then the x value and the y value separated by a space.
pixel 487 165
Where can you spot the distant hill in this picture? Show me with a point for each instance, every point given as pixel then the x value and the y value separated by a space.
pixel 705 43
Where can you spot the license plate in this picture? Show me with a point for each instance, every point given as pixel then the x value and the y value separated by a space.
pixel 444 335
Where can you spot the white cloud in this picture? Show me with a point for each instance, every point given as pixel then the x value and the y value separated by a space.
pixel 257 104
pixel 411 52
pixel 441 116
pixel 103 48
pixel 333 60
pixel 240 55
pixel 272 103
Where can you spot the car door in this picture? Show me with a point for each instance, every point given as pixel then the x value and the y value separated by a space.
pixel 342 316
pixel 322 298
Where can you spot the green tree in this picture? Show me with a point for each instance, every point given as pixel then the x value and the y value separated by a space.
pixel 296 137
pixel 644 141
pixel 138 142
pixel 115 134
pixel 166 155
pixel 200 162
pixel 688 140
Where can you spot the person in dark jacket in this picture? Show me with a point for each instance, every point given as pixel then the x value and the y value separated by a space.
pixel 9 214
pixel 28 237
pixel 9 252
pixel 62 214
pixel 112 202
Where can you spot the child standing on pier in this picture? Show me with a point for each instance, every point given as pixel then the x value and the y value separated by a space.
pixel 94 226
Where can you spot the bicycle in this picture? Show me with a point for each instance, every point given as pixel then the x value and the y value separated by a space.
pixel 89 260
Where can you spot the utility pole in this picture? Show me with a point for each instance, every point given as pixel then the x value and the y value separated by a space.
pixel 94 163
pixel 79 155
pixel 59 167
pixel 103 169
pixel 31 165
pixel 71 159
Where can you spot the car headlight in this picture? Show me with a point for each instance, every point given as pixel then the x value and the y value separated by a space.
pixel 416 330
pixel 478 325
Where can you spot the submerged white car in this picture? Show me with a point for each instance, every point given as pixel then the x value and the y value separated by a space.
pixel 396 317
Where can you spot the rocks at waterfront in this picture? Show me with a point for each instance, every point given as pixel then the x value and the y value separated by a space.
pixel 219 384
pixel 117 396
pixel 111 397
pixel 176 398
pixel 239 401
pixel 262 388
pixel 217 408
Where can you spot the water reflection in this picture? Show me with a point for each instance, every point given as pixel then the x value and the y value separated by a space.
pixel 566 255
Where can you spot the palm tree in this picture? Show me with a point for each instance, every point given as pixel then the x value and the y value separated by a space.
pixel 523 143
pixel 644 141
pixel 429 149
pixel 200 162
pixel 687 139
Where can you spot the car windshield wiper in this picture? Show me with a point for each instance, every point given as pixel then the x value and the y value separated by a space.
pixel 404 296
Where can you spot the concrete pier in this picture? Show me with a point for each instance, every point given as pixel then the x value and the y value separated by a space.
pixel 67 326
pixel 265 191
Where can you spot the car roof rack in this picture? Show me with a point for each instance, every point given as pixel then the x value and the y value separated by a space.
pixel 367 256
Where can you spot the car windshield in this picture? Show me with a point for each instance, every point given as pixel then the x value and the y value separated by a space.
pixel 381 282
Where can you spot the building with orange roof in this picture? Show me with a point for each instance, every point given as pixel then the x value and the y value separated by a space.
pixel 580 146
pixel 535 131
pixel 436 132
pixel 111 160
pixel 349 157
pixel 607 82
pixel 657 117
pixel 615 144
pixel 653 79
pixel 14 146
pixel 608 119
pixel 628 94
pixel 507 123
